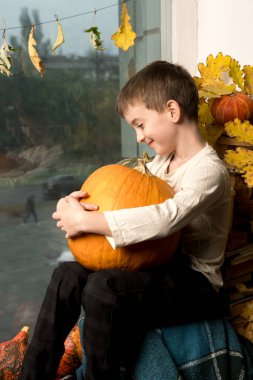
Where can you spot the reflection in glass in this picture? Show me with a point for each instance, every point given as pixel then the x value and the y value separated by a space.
pixel 55 130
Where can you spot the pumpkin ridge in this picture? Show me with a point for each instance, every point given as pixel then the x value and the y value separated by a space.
pixel 125 181
pixel 140 186
pixel 133 173
pixel 112 206
pixel 148 190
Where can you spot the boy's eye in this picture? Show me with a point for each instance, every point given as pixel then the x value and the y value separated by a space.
pixel 140 125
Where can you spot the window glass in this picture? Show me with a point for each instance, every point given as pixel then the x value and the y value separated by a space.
pixel 56 129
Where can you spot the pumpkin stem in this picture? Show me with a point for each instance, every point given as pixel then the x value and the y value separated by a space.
pixel 138 163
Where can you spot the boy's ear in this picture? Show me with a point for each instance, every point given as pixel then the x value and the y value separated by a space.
pixel 174 110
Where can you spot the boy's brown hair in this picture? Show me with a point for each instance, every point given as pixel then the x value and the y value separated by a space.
pixel 157 83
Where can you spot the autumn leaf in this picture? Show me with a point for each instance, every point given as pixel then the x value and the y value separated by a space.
pixel 124 37
pixel 247 310
pixel 215 89
pixel 243 131
pixel 214 67
pixel 210 132
pixel 36 60
pixel 248 79
pixel 239 158
pixel 223 62
pixel 198 82
pixel 248 176
pixel 60 37
pixel 236 74
pixel 242 160
pixel 211 83
pixel 5 58
pixel 204 113
pixel 95 39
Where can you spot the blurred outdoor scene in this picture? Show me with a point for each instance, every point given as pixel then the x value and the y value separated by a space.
pixel 54 131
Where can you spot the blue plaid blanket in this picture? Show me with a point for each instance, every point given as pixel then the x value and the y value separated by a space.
pixel 208 350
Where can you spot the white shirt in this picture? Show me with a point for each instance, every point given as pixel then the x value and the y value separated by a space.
pixel 199 209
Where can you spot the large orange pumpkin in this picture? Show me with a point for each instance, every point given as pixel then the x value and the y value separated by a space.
pixel 115 187
pixel 229 107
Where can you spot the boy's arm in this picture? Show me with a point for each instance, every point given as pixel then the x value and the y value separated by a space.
pixel 206 188
pixel 76 218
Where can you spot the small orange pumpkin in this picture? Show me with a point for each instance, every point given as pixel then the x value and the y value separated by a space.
pixel 72 357
pixel 115 187
pixel 12 353
pixel 229 107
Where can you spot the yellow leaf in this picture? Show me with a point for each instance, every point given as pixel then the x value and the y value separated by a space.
pixel 203 93
pixel 60 37
pixel 208 131
pixel 215 88
pixel 249 176
pixel 247 310
pixel 248 77
pixel 243 131
pixel 204 113
pixel 223 62
pixel 198 81
pixel 214 67
pixel 239 158
pixel 36 60
pixel 211 133
pixel 242 288
pixel 236 74
pixel 124 37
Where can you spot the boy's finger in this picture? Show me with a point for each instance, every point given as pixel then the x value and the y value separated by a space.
pixel 79 194
pixel 89 207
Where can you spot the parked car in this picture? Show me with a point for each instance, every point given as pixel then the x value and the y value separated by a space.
pixel 61 185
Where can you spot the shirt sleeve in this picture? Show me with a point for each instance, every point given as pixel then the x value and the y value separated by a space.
pixel 200 189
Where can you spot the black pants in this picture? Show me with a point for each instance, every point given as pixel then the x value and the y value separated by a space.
pixel 120 307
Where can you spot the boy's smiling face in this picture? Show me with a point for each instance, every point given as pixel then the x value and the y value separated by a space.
pixel 156 129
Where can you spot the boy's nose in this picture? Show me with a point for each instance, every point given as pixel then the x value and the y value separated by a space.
pixel 139 136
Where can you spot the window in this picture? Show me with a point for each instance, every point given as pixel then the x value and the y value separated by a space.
pixel 55 130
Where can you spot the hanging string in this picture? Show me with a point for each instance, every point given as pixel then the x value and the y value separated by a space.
pixel 4 29
pixel 64 18
pixel 93 18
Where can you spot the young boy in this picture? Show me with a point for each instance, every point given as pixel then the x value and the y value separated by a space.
pixel 161 103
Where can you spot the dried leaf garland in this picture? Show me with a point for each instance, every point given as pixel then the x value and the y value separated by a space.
pixel 5 58
pixel 36 60
pixel 124 37
pixel 60 37
pixel 95 39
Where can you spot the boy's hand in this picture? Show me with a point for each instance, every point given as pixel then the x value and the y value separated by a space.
pixel 79 195
pixel 70 213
